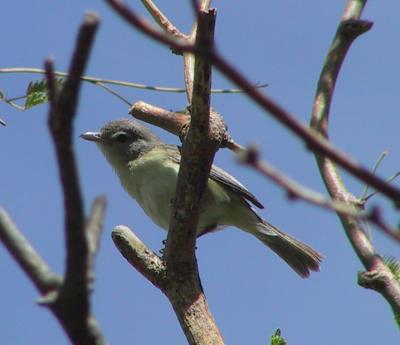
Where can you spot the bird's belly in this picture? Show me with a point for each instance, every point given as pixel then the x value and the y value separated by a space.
pixel 157 204
pixel 152 182
pixel 153 186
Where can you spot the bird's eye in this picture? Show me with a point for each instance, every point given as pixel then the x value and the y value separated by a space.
pixel 121 138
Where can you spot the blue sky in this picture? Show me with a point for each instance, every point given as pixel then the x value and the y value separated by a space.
pixel 250 291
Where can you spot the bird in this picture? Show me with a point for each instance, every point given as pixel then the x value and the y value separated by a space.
pixel 148 169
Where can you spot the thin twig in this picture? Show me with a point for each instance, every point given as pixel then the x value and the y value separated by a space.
pixel 390 179
pixel 95 81
pixel 162 19
pixel 376 217
pixel 116 94
pixel 295 190
pixel 14 105
pixel 374 169
pixel 13 99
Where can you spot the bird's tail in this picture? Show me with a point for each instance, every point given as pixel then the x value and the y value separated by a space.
pixel 299 256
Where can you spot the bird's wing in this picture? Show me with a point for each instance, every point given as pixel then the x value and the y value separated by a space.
pixel 221 176
pixel 229 181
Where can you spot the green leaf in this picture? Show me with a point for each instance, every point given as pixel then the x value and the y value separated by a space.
pixel 36 93
pixel 397 318
pixel 276 339
pixel 394 266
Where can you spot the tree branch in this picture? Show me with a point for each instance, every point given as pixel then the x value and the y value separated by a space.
pixel 162 19
pixel 99 81
pixel 26 256
pixel 72 303
pixel 149 264
pixel 293 189
pixel 296 191
pixel 178 123
pixel 379 276
pixel 376 218
pixel 197 155
pixel 171 121
pixel 188 57
pixel 203 138
pixel 61 114
pixel 182 283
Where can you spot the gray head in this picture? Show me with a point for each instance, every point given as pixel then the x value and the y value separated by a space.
pixel 123 140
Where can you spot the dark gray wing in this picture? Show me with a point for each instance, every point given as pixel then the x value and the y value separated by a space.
pixel 229 181
pixel 221 176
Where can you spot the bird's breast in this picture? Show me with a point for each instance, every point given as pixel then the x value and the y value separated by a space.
pixel 151 180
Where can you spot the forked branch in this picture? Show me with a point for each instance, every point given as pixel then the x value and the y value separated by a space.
pixel 348 30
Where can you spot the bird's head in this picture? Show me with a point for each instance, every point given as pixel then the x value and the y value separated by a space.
pixel 122 141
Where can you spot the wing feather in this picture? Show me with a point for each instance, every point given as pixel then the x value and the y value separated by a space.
pixel 221 176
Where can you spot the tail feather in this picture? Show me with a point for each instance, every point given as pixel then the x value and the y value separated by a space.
pixel 299 256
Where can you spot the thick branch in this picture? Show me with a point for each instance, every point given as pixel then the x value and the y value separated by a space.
pixel 172 122
pixel 346 33
pixel 139 255
pixel 178 123
pixel 293 189
pixel 201 142
pixel 150 265
pixel 197 155
pixel 381 280
pixel 203 7
pixel 182 284
pixel 380 277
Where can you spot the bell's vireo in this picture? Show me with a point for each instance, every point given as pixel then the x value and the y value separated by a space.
pixel 148 170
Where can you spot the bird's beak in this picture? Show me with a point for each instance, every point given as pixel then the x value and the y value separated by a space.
pixel 91 136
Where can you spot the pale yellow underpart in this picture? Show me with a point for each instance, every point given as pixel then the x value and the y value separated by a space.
pixel 156 174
